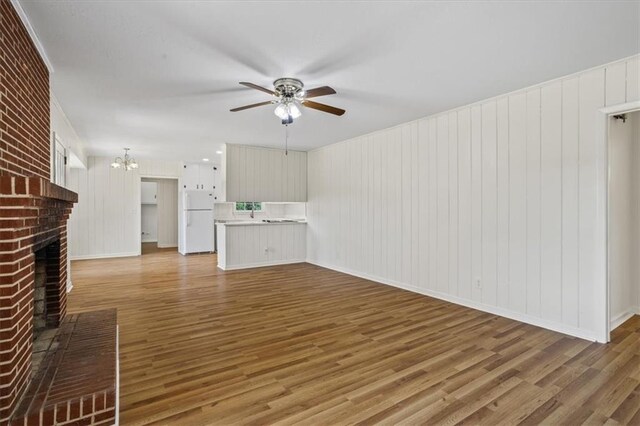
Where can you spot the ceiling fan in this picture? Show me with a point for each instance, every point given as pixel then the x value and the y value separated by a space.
pixel 289 96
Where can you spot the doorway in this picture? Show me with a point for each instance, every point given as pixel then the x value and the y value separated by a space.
pixel 158 215
pixel 623 215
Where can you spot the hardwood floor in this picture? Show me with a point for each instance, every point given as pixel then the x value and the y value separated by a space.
pixel 306 345
pixel 149 248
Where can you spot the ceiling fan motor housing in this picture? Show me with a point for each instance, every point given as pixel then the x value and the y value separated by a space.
pixel 288 88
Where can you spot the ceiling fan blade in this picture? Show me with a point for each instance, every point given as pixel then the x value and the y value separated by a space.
pixel 319 91
pixel 323 107
pixel 251 106
pixel 260 88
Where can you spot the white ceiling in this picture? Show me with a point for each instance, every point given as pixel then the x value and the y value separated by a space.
pixel 160 77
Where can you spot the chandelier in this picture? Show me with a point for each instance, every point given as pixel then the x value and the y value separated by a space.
pixel 127 162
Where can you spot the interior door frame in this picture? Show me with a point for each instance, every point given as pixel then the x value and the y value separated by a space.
pixel 139 210
pixel 601 267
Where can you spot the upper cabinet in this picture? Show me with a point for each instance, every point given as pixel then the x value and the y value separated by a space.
pixel 148 191
pixel 263 174
pixel 201 176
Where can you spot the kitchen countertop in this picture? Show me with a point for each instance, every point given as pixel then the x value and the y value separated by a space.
pixel 259 222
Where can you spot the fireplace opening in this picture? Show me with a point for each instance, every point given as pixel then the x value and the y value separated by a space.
pixel 46 302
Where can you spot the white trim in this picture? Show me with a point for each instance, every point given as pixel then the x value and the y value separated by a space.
pixel 104 256
pixel 260 265
pixel 150 241
pixel 620 319
pixel 32 33
pixel 167 246
pixel 69 285
pixel 538 322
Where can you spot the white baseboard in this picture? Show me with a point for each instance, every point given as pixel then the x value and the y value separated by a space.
pixel 148 241
pixel 103 256
pixel 260 265
pixel 496 310
pixel 167 245
pixel 621 318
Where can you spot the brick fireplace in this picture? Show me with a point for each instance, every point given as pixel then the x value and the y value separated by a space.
pixel 33 230
pixel 33 212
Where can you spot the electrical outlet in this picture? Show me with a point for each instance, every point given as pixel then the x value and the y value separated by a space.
pixel 478 284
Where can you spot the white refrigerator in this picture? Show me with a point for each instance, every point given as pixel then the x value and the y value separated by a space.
pixel 196 227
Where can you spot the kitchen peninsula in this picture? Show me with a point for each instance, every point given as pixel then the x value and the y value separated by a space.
pixel 254 243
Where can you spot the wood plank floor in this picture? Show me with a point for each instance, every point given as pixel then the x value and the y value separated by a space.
pixel 299 344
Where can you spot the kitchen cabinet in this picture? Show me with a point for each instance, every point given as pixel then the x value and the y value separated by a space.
pixel 263 174
pixel 200 176
pixel 148 192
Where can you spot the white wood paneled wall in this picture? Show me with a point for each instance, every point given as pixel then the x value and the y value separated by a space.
pixel 490 205
pixel 263 174
pixel 106 220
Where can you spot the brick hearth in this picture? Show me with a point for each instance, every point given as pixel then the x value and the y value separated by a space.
pixel 77 382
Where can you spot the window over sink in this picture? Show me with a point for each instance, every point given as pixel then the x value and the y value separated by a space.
pixel 247 206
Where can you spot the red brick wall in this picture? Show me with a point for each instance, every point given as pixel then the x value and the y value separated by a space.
pixel 24 101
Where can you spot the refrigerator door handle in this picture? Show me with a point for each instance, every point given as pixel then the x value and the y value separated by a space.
pixel 188 213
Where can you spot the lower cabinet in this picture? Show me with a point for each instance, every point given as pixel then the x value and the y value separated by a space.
pixel 253 245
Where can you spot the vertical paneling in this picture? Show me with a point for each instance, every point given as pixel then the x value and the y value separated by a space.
pixel 476 202
pixel 407 206
pixel 464 211
pixel 424 217
pixel 570 200
pixel 262 174
pixel 248 246
pixel 502 202
pixel 453 202
pixel 551 202
pixel 492 204
pixel 616 83
pixel 106 219
pixel 433 204
pixel 416 205
pixel 442 148
pixel 518 202
pixel 489 203
pixel 591 98
pixel 394 148
pixel 533 202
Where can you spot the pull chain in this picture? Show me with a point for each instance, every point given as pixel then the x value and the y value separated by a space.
pixel 286 139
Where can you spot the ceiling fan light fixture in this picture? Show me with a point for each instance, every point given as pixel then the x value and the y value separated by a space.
pixel 282 111
pixel 294 111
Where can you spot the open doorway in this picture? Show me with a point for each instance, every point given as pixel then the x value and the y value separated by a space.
pixel 158 215
pixel 624 215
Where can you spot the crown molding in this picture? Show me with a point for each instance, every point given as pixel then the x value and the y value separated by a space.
pixel 32 33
